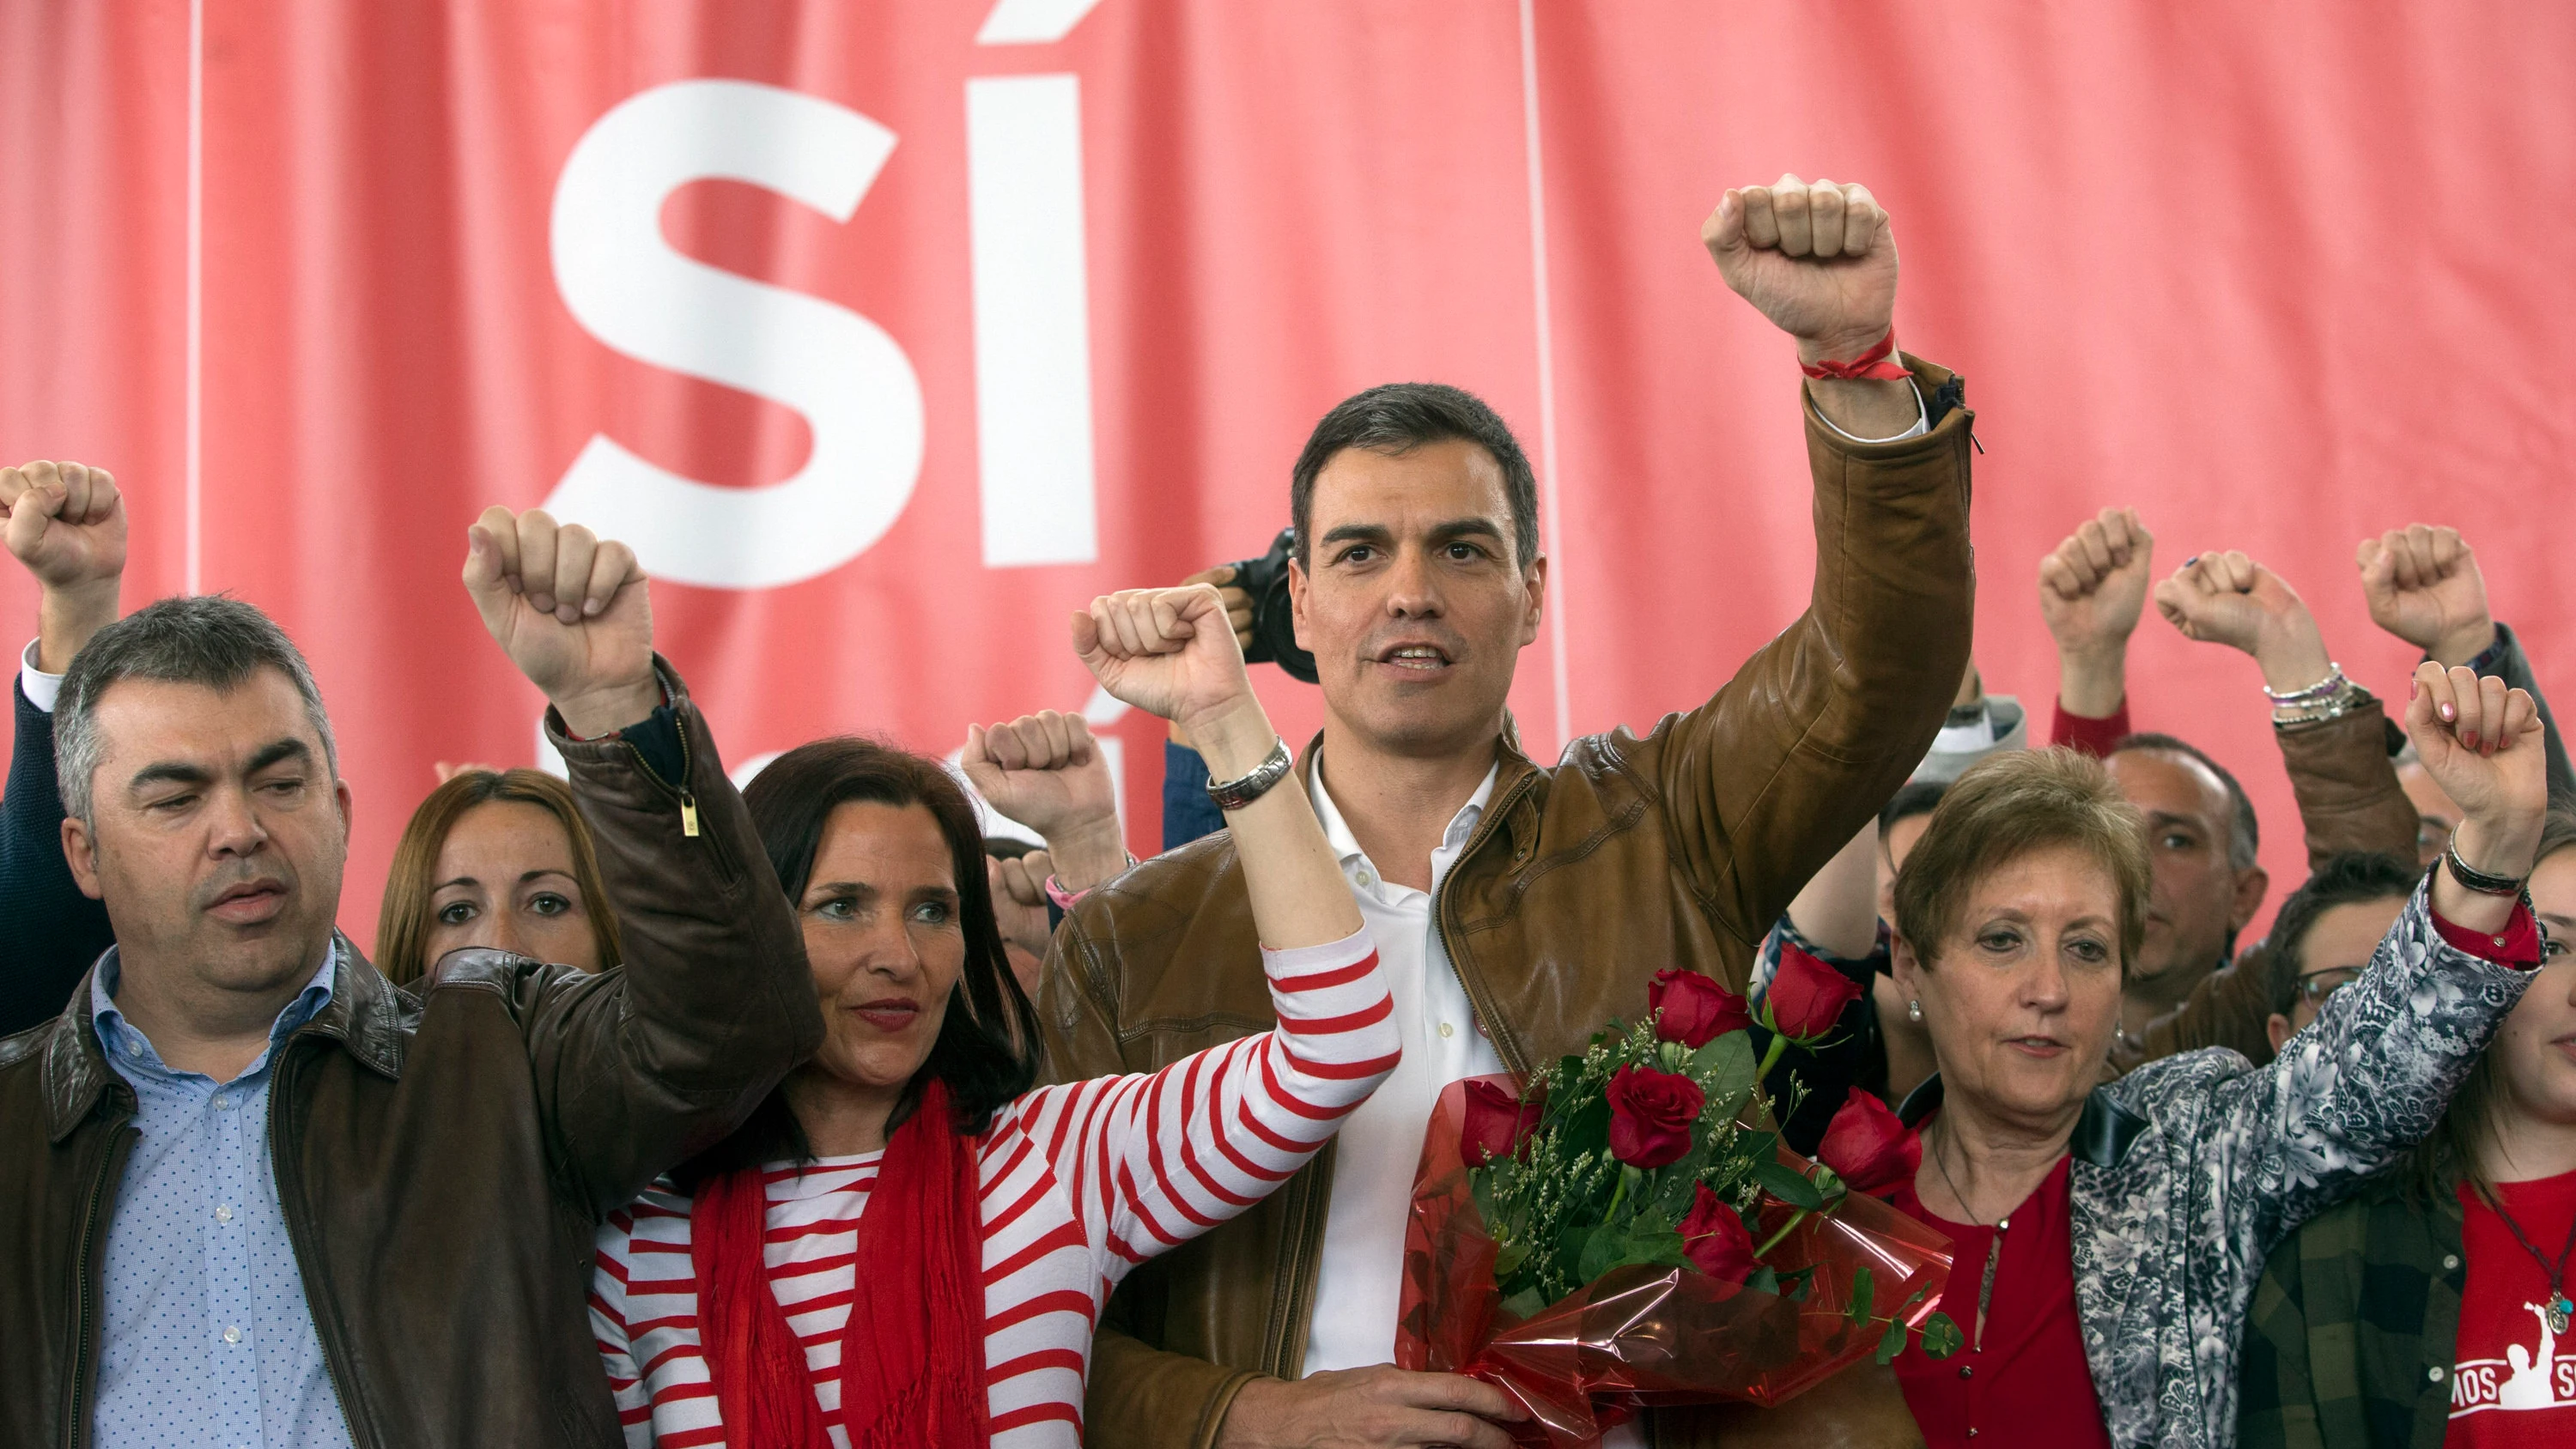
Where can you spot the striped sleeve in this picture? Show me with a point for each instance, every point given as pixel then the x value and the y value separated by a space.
pixel 1153 1160
pixel 608 1325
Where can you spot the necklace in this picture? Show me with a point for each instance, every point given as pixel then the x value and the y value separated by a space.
pixel 2560 1306
pixel 1994 1245
pixel 1952 1183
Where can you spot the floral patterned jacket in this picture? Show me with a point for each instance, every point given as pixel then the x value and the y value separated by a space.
pixel 2189 1170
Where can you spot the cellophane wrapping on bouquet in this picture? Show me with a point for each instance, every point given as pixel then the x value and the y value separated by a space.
pixel 1649 1336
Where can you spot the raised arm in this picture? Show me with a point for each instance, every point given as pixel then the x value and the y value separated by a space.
pixel 2423 584
pixel 2092 589
pixel 2329 728
pixel 2375 1073
pixel 66 523
pixel 642 1066
pixel 1768 779
pixel 1045 771
pixel 2334 743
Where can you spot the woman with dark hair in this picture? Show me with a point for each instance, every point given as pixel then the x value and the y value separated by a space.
pixel 906 1245
pixel 499 859
pixel 2433 1307
pixel 2107 1239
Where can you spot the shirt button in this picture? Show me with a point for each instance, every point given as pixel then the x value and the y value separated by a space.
pixel 2433 1375
pixel 134 1048
pixel 2450 1262
pixel 224 1212
pixel 1447 1031
pixel 223 1104
pixel 233 1335
pixel 1368 878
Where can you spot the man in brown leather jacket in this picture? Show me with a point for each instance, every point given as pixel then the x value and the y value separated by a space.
pixel 254 1192
pixel 1518 907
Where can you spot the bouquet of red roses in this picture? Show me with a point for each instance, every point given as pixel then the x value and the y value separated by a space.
pixel 1627 1233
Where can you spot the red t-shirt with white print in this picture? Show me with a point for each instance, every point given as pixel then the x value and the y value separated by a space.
pixel 2515 1380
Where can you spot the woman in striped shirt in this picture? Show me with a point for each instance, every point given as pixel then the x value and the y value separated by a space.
pixel 906 1245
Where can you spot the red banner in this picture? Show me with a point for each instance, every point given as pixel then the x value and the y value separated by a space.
pixel 892 332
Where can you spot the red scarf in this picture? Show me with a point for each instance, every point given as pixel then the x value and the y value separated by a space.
pixel 912 1358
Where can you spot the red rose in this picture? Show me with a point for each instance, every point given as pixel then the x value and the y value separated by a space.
pixel 1808 996
pixel 1651 1114
pixel 1714 1239
pixel 1868 1147
pixel 1496 1123
pixel 1693 1009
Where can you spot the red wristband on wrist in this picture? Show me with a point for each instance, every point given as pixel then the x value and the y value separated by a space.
pixel 1873 363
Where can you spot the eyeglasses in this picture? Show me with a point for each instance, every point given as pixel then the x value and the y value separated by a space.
pixel 2318 985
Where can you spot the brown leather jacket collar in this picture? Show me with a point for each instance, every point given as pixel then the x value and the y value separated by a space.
pixel 366 1014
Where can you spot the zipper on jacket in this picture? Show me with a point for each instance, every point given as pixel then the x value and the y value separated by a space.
pixel 1506 1041
pixel 76 1408
pixel 688 800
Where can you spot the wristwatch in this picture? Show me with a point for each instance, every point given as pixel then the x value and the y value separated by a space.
pixel 1237 793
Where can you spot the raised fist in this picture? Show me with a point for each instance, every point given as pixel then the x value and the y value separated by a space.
pixel 571 611
pixel 1169 652
pixel 1018 887
pixel 1043 770
pixel 2228 598
pixel 1816 258
pixel 2093 586
pixel 66 523
pixel 2423 585
pixel 2481 742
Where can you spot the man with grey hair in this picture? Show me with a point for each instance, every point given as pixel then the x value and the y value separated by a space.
pixel 256 1194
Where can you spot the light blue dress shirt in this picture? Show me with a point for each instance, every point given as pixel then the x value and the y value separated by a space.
pixel 208 1339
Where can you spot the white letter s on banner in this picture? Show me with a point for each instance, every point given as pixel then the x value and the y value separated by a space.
pixel 626 285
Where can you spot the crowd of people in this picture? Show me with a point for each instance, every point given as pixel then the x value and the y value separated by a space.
pixel 806 1115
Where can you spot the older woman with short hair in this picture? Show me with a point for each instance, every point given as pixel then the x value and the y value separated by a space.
pixel 2107 1238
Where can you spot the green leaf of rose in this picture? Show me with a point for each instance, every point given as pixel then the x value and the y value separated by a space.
pixel 1789 1186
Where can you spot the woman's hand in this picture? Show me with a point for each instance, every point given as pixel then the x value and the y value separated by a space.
pixel 2228 598
pixel 1045 771
pixel 570 609
pixel 1172 652
pixel 2481 742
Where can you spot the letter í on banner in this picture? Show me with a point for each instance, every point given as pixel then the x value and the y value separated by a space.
pixel 628 287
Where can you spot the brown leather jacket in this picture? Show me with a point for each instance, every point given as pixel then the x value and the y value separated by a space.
pixel 443 1160
pixel 2349 799
pixel 1631 855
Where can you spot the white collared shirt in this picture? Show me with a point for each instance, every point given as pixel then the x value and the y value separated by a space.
pixel 1361 1277
pixel 1360 1283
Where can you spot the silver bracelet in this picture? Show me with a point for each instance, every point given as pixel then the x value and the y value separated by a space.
pixel 2322 689
pixel 1237 793
pixel 2346 697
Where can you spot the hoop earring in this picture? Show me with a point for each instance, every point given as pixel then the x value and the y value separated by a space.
pixel 1914 1010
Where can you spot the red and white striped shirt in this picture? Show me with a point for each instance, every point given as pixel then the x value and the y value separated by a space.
pixel 1080 1183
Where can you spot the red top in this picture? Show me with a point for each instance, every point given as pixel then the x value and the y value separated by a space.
pixel 2022 1378
pixel 2515 1381
pixel 2091 736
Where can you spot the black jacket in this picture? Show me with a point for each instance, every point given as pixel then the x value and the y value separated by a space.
pixel 49 932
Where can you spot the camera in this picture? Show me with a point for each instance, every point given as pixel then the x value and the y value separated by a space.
pixel 1274 624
